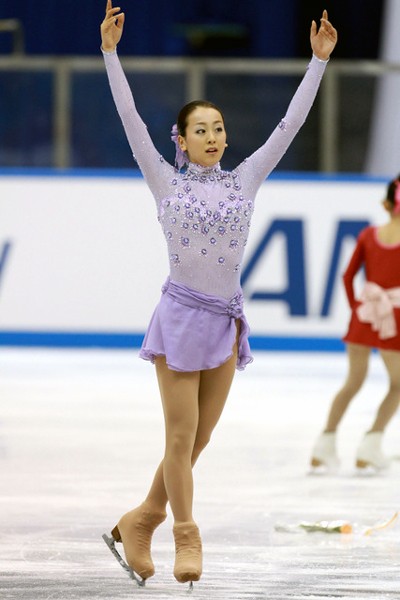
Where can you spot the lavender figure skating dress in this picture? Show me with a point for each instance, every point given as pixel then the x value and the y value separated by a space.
pixel 205 215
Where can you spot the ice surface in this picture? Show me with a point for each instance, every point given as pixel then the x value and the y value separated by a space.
pixel 81 433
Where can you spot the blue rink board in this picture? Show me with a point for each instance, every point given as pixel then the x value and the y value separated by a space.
pixel 128 340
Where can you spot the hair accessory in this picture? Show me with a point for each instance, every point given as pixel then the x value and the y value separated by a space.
pixel 396 209
pixel 181 158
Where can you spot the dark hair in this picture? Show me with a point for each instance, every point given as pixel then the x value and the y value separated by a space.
pixel 391 190
pixel 187 110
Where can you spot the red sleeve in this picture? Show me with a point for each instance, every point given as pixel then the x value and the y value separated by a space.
pixel 353 267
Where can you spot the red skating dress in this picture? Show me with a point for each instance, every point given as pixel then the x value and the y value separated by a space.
pixel 382 267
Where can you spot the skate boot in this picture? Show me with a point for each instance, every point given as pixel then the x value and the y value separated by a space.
pixel 135 530
pixel 188 552
pixel 324 455
pixel 369 452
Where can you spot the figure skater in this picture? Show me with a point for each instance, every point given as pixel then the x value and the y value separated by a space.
pixel 375 323
pixel 198 333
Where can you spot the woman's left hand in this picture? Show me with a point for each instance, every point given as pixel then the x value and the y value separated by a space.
pixel 112 27
pixel 324 40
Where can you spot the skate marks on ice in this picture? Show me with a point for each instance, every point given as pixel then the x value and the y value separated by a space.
pixel 240 575
pixel 70 427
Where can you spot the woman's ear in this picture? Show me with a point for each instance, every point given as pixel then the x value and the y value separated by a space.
pixel 182 143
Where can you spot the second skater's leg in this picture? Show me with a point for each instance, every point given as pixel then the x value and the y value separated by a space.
pixel 324 453
pixel 370 453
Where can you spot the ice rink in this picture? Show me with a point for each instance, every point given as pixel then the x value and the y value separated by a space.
pixel 81 433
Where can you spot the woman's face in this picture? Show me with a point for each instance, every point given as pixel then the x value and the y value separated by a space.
pixel 205 137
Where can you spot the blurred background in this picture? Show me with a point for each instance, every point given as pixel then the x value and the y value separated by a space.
pixel 70 236
pixel 83 258
pixel 248 57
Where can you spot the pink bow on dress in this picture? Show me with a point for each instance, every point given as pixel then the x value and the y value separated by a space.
pixel 377 309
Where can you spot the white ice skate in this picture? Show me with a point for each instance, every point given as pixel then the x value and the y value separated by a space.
pixel 369 456
pixel 323 457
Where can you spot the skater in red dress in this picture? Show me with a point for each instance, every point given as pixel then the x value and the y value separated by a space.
pixel 374 323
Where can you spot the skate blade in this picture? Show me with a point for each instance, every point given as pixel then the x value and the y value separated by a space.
pixel 190 588
pixel 323 471
pixel 369 471
pixel 110 541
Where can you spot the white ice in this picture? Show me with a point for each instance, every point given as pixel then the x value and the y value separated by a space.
pixel 81 433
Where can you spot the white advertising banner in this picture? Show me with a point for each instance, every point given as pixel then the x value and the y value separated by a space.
pixel 85 256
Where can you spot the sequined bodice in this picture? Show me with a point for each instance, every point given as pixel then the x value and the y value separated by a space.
pixel 206 221
pixel 205 212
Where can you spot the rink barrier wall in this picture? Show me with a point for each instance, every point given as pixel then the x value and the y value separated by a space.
pixel 73 272
pixel 126 341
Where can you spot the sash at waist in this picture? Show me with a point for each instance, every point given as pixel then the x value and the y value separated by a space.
pixel 215 304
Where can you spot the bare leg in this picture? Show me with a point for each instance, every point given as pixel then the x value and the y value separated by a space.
pixel 213 392
pixel 157 497
pixel 358 367
pixel 193 403
pixel 391 401
pixel 179 394
pixel 324 451
pixel 369 452
pixel 214 389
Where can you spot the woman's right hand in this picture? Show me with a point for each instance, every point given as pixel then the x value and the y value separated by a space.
pixel 111 28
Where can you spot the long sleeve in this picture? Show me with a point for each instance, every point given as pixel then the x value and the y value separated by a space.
pixel 258 166
pixel 155 169
pixel 352 269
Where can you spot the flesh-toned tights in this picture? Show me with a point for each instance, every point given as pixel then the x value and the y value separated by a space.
pixel 192 404
pixel 358 356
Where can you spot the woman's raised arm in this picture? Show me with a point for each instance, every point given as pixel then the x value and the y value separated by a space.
pixel 111 27
pixel 324 39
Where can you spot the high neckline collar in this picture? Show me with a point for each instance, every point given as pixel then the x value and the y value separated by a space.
pixel 200 170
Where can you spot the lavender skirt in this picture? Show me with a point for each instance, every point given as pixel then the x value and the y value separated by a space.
pixel 196 331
